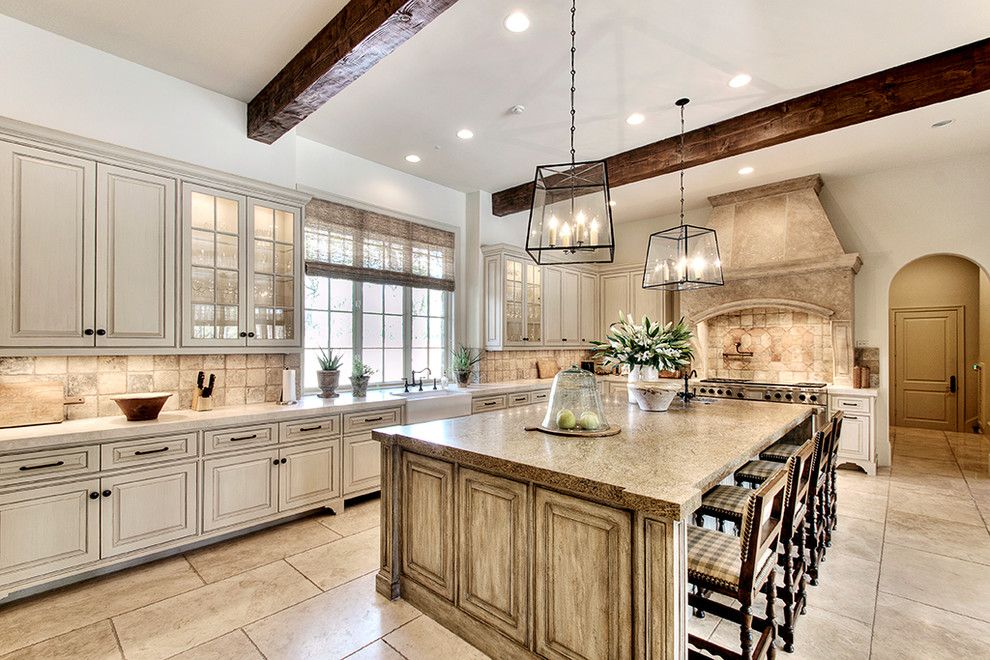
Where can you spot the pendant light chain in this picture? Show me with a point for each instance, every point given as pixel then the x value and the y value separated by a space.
pixel 573 74
pixel 682 161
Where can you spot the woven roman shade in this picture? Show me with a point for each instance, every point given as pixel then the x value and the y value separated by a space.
pixel 353 244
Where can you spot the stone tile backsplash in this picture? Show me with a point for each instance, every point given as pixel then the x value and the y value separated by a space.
pixel 240 379
pixel 501 366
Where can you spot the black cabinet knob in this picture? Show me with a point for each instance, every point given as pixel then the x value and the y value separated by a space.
pixel 274 461
pixel 284 461
pixel 88 332
pixel 106 493
pixel 250 334
pixel 243 334
pixel 94 495
pixel 101 332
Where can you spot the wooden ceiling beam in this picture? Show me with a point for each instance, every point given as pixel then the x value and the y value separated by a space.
pixel 361 34
pixel 949 75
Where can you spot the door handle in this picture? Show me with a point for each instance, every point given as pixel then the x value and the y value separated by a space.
pixel 952 384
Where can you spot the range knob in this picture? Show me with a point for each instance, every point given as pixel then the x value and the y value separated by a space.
pixel 802 397
pixel 740 395
pixel 720 391
pixel 788 396
pixel 728 393
pixel 766 396
pixel 777 395
pixel 814 397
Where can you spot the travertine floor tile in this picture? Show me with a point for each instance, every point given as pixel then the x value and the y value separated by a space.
pixel 182 622
pixel 332 625
pixel 847 586
pixel 333 564
pixel 908 466
pixel 865 506
pixel 232 646
pixel 943 537
pixel 854 481
pixel 820 635
pixel 857 537
pixel 355 518
pixel 934 504
pixel 425 639
pixel 376 651
pixel 216 562
pixel 906 629
pixel 47 615
pixel 951 584
pixel 93 642
pixel 947 486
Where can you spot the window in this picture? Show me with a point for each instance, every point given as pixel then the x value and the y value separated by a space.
pixel 383 331
pixel 429 329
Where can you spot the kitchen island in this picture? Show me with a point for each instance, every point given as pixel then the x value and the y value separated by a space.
pixel 525 543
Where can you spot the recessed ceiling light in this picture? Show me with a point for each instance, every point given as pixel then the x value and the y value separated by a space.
pixel 740 80
pixel 517 109
pixel 635 119
pixel 413 158
pixel 746 170
pixel 944 122
pixel 465 134
pixel 516 22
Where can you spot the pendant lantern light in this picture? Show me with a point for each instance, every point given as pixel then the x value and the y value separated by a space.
pixel 684 257
pixel 570 220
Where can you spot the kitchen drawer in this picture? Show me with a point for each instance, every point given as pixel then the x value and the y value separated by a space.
pixel 518 399
pixel 48 464
pixel 239 438
pixel 316 428
pixel 852 404
pixel 539 397
pixel 372 419
pixel 145 451
pixel 485 403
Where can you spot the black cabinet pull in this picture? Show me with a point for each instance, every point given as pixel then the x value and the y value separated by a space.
pixel 245 437
pixel 94 495
pixel 25 468
pixel 88 332
pixel 274 461
pixel 564 339
pixel 488 403
pixel 284 461
pixel 250 334
pixel 310 428
pixel 107 493
pixel 243 334
pixel 101 332
pixel 368 420
pixel 145 452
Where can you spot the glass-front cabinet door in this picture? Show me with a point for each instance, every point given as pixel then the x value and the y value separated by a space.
pixel 515 307
pixel 273 290
pixel 213 261
pixel 534 304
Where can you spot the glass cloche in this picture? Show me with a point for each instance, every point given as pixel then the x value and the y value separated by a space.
pixel 575 404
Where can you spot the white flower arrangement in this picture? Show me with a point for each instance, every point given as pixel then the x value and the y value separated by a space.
pixel 647 344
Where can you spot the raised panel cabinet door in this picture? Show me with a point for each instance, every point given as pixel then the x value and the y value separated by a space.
pixel 146 508
pixel 214 267
pixel 492 552
pixel 47 248
pixel 616 298
pixel 308 474
pixel 590 328
pixel 494 306
pixel 48 529
pixel 239 489
pixel 274 290
pixel 552 306
pixel 362 463
pixel 135 257
pixel 514 305
pixel 428 523
pixel 570 307
pixel 582 582
pixel 854 441
pixel 646 302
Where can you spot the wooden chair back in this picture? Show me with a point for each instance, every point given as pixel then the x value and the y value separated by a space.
pixel 761 526
pixel 799 471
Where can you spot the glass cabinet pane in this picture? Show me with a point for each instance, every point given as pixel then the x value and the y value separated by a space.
pixel 273 281
pixel 214 275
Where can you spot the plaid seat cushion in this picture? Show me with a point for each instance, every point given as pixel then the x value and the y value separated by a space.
pixel 758 471
pixel 779 452
pixel 727 502
pixel 713 556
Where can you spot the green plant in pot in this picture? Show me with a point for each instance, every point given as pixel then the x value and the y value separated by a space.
pixel 328 375
pixel 462 364
pixel 360 375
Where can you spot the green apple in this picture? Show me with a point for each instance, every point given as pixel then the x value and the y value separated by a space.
pixel 566 420
pixel 589 421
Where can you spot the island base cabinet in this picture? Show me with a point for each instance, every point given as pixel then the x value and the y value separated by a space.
pixel 428 523
pixel 48 529
pixel 308 474
pixel 239 489
pixel 362 464
pixel 582 579
pixel 146 508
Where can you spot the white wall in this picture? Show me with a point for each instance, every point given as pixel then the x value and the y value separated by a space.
pixel 631 238
pixel 985 346
pixel 54 82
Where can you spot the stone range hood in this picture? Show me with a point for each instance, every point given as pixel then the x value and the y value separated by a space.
pixel 780 257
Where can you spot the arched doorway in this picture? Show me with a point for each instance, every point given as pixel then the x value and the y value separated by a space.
pixel 939 315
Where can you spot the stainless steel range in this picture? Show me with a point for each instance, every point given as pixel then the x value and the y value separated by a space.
pixel 811 394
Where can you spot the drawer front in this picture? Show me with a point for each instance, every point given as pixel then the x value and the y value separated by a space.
pixel 48 464
pixel 373 419
pixel 540 397
pixel 851 403
pixel 485 403
pixel 317 428
pixel 146 451
pixel 239 438
pixel 519 399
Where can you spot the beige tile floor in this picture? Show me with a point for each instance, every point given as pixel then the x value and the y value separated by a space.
pixel 908 576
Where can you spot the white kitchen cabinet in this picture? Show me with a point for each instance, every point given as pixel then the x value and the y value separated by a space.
pixel 308 474
pixel 857 441
pixel 47 248
pixel 553 311
pixel 590 328
pixel 49 528
pixel 239 489
pixel 362 463
pixel 570 307
pixel 622 291
pixel 274 263
pixel 146 508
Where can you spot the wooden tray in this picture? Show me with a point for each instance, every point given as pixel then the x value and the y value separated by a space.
pixel 615 430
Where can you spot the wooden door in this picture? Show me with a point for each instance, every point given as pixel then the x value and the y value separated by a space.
pixel 615 297
pixel 214 265
pixel 135 257
pixel 361 463
pixel 590 328
pixel 552 306
pixel 47 248
pixel 308 474
pixel 570 307
pixel 926 368
pixel 239 489
pixel 146 508
pixel 428 523
pixel 582 579
pixel 493 552
pixel 274 264
pixel 48 529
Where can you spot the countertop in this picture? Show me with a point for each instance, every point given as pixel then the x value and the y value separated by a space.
pixel 660 462
pixel 871 392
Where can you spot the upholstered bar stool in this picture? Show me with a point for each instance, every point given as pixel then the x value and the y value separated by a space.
pixel 740 568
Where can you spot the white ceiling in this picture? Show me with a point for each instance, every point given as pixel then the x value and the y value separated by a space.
pixel 466 70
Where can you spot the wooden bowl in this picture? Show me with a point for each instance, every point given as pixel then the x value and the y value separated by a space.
pixel 141 407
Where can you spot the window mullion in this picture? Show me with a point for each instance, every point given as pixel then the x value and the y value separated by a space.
pixel 407 330
pixel 357 320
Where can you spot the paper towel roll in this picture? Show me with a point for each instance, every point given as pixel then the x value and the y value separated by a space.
pixel 288 386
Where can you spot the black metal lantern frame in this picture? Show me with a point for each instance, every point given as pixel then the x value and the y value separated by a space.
pixel 683 258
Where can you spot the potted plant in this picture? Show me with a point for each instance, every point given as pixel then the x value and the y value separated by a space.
pixel 648 345
pixel 328 375
pixel 462 364
pixel 360 375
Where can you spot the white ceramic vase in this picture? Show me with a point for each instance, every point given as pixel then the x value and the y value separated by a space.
pixel 633 377
pixel 653 396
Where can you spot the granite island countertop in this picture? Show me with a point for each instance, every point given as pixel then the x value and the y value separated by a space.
pixel 660 462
